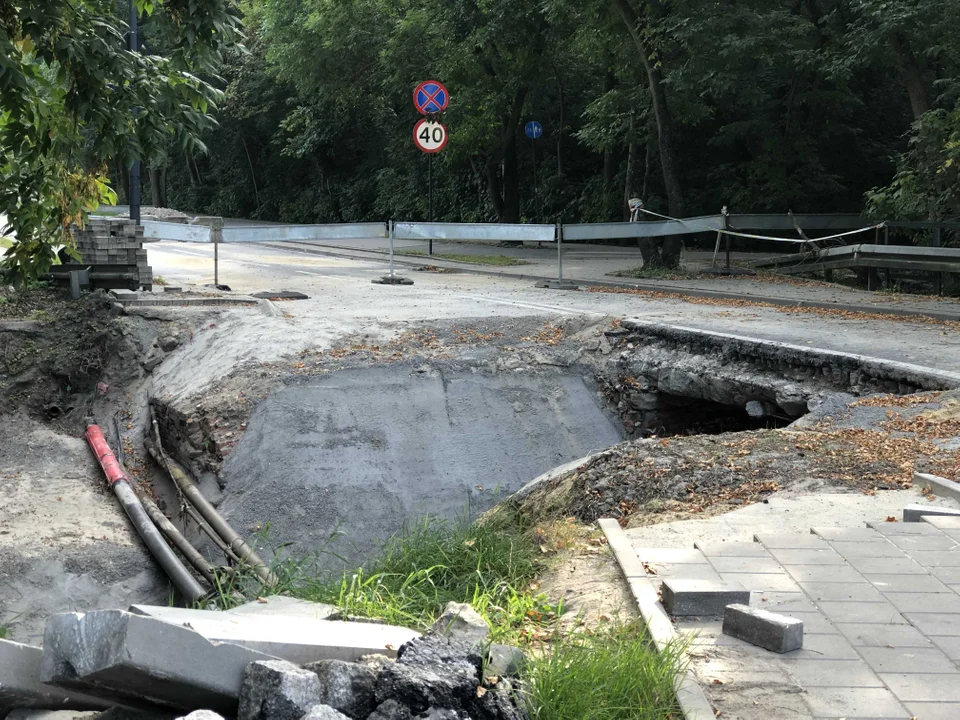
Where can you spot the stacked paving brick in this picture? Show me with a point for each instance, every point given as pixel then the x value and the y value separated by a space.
pixel 115 241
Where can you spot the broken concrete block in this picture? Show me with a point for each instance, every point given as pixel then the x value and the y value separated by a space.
pixel 283 605
pixel 700 597
pixel 20 685
pixel 504 661
pixel 915 513
pixel 763 628
pixel 138 660
pixel 391 710
pixel 297 639
pixel 461 621
pixel 325 712
pixel 345 686
pixel 277 690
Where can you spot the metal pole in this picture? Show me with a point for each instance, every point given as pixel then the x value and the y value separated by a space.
pixel 559 251
pixel 430 204
pixel 391 247
pixel 886 241
pixel 536 179
pixel 216 256
pixel 134 46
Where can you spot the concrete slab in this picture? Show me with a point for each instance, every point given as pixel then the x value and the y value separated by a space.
pixel 288 606
pixel 20 685
pixel 297 639
pixel 943 522
pixel 141 661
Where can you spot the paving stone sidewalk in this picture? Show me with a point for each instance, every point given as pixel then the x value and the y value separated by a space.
pixel 881 612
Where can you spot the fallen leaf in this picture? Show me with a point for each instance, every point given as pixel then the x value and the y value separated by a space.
pixel 891 518
pixel 481 691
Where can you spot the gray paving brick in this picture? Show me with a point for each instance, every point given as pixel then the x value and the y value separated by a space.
pixel 746 565
pixel 782 601
pixel 888 529
pixel 887 566
pixel 755 582
pixel 854 703
pixel 732 549
pixel 923 687
pixel 943 522
pixel 846 533
pixel 878 635
pixel 925 602
pixel 949 645
pixel 923 542
pixel 789 541
pixel 934 711
pixel 807 556
pixel 907 660
pixel 949 575
pixel 691 571
pixel 700 597
pixel 832 673
pixel 814 623
pixel 868 612
pixel 849 592
pixel 937 558
pixel 931 624
pixel 823 573
pixel 825 647
pixel 867 549
pixel 907 583
pixel 670 556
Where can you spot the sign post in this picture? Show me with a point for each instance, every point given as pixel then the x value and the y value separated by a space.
pixel 534 130
pixel 430 98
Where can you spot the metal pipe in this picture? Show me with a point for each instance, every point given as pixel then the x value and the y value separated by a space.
pixel 192 511
pixel 391 247
pixel 177 539
pixel 188 586
pixel 559 251
pixel 212 516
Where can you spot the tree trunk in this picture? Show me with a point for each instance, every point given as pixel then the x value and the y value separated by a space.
pixel 628 181
pixel 511 183
pixel 253 175
pixel 155 187
pixel 493 188
pixel 163 185
pixel 194 180
pixel 609 168
pixel 661 111
pixel 646 171
pixel 505 193
pixel 563 102
pixel 912 75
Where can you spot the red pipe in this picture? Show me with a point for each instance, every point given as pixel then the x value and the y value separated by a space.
pixel 108 461
pixel 188 586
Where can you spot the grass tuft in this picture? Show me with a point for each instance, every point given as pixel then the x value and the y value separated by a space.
pixel 614 674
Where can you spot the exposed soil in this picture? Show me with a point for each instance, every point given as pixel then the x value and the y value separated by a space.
pixel 870 444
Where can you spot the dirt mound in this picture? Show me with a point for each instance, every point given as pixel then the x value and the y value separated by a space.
pixel 866 445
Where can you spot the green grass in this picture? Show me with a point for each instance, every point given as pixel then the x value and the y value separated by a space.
pixel 614 674
pixel 159 280
pixel 499 260
pixel 429 563
pixel 4 632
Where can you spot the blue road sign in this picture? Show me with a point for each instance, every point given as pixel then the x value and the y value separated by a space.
pixel 431 97
pixel 534 129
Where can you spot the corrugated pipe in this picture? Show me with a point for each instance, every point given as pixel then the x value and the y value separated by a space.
pixel 234 542
pixel 175 570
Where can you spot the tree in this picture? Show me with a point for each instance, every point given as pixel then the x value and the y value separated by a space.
pixel 73 99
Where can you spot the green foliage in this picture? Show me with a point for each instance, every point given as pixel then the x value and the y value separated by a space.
pixel 614 674
pixel 68 90
pixel 927 183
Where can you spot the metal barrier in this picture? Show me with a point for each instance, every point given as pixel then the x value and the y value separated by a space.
pixel 155 231
pixel 299 233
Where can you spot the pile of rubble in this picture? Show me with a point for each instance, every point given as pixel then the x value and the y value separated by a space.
pixel 274 659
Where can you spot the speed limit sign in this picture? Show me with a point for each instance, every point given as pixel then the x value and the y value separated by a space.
pixel 430 136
